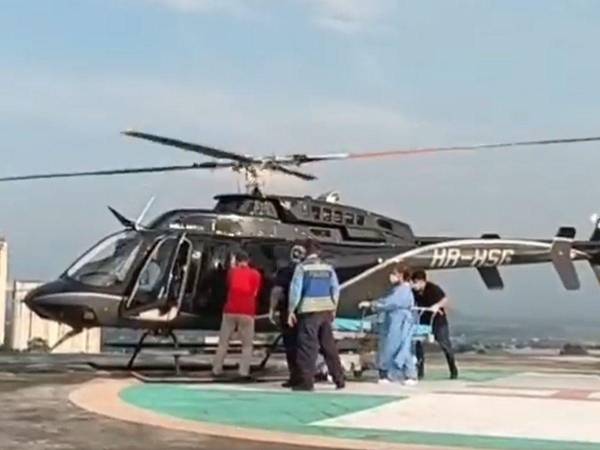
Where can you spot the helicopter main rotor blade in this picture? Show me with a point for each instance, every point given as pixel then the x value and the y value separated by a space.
pixel 454 148
pixel 207 165
pixel 190 147
pixel 294 173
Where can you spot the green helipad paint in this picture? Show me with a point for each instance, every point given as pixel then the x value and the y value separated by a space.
pixel 295 412
pixel 273 410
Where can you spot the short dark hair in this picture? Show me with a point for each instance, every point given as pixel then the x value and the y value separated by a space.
pixel 242 256
pixel 312 247
pixel 419 275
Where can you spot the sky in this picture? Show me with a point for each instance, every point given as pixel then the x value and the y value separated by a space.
pixel 287 76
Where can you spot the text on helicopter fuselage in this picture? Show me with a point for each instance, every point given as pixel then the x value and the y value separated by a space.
pixel 478 257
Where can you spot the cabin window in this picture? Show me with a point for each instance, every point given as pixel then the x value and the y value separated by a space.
pixel 319 232
pixel 258 208
pixel 327 214
pixel 316 213
pixel 229 206
pixel 360 220
pixel 267 209
pixel 384 224
pixel 349 218
pixel 304 209
pixel 338 217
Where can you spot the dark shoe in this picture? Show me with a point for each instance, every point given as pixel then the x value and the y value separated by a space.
pixel 321 378
pixel 289 384
pixel 340 386
pixel 245 379
pixel 300 388
pixel 454 375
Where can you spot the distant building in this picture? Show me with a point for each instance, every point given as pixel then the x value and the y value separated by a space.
pixel 3 288
pixel 29 330
pixel 21 328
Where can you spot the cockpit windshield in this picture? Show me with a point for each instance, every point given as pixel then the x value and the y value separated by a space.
pixel 109 262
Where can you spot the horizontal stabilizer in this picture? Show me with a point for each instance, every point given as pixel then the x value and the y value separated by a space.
pixel 491 277
pixel 561 259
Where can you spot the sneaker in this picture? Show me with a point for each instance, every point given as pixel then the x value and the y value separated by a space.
pixel 410 382
pixel 340 386
pixel 383 381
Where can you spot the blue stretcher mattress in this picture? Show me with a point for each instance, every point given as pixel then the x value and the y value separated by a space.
pixel 367 325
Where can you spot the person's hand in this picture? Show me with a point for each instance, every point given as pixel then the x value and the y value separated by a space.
pixel 292 320
pixel 364 305
pixel 273 316
pixel 435 309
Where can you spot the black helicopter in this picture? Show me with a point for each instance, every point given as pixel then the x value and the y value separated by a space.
pixel 170 273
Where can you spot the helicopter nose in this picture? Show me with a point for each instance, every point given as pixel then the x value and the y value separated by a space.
pixel 51 303
pixel 35 301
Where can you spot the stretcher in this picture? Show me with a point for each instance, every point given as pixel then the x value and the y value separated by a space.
pixel 367 324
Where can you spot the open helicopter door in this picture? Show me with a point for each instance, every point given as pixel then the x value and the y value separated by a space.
pixel 160 286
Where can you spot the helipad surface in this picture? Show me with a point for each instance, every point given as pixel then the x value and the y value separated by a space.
pixel 486 409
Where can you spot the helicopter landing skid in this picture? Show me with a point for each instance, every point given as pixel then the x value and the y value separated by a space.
pixel 270 351
pixel 140 344
pixel 68 335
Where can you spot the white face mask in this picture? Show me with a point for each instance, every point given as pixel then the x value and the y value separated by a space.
pixel 394 279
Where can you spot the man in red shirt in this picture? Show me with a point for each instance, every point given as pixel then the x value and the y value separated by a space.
pixel 243 286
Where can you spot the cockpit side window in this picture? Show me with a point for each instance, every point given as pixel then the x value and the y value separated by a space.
pixel 152 279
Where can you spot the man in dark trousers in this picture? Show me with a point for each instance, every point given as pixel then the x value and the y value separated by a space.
pixel 313 297
pixel 430 295
pixel 279 307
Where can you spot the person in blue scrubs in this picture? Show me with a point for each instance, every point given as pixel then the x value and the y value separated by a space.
pixel 397 322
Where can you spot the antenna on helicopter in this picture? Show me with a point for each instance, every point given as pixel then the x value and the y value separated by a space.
pixel 138 222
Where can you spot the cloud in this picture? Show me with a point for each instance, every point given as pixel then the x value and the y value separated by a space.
pixel 94 109
pixel 343 16
pixel 350 16
pixel 213 114
pixel 234 7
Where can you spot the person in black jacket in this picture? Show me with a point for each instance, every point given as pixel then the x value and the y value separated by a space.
pixel 430 295
pixel 278 314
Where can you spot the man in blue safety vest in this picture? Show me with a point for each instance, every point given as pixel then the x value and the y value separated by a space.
pixel 313 298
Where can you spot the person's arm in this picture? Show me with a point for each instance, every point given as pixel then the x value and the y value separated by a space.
pixel 258 281
pixel 276 295
pixel 295 293
pixel 274 299
pixel 442 302
pixel 335 287
pixel 388 302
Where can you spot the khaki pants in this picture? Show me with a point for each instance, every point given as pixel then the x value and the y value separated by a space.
pixel 245 328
